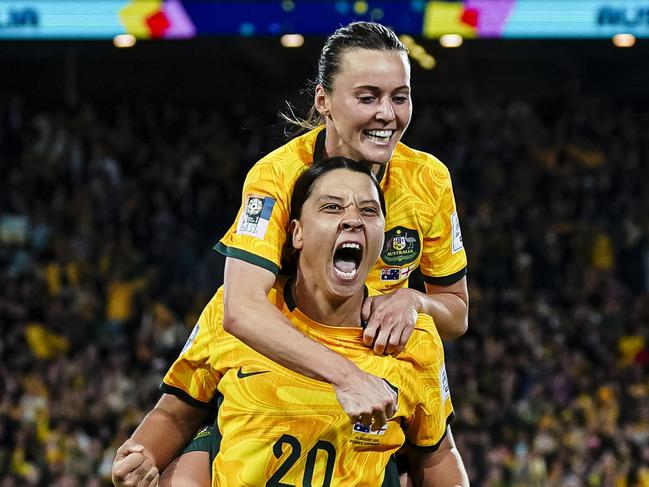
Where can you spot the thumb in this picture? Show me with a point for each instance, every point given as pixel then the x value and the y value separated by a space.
pixel 366 310
pixel 127 448
pixel 135 448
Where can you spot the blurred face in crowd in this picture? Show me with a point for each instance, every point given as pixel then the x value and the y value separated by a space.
pixel 369 107
pixel 339 233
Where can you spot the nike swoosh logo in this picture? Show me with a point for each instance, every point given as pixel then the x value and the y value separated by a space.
pixel 242 375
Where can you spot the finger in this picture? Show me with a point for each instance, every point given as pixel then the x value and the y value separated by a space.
pixel 366 310
pixel 381 340
pixel 127 465
pixel 371 330
pixel 141 472
pixel 150 479
pixel 391 405
pixel 391 410
pixel 393 343
pixel 405 336
pixel 379 420
pixel 365 419
pixel 123 450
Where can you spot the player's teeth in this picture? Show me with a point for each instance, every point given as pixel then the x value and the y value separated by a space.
pixel 379 133
pixel 347 275
pixel 351 245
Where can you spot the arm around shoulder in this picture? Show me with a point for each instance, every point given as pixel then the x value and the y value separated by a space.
pixel 253 319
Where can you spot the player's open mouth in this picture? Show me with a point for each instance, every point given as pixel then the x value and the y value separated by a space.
pixel 347 259
pixel 379 136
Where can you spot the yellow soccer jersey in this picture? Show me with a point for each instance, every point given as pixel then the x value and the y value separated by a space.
pixel 422 225
pixel 278 427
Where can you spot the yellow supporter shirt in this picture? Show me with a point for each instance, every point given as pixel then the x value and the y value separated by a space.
pixel 422 225
pixel 278 427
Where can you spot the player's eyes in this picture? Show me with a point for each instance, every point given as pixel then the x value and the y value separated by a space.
pixel 332 207
pixel 370 210
pixel 366 99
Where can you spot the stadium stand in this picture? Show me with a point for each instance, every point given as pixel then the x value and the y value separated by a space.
pixel 108 215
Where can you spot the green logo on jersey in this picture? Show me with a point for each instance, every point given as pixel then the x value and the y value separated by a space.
pixel 401 246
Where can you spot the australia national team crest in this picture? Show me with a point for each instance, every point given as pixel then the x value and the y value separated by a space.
pixel 401 246
pixel 256 215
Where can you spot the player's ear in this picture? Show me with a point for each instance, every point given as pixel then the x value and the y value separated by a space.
pixel 321 101
pixel 296 234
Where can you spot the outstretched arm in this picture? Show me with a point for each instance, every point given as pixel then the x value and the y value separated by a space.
pixel 249 316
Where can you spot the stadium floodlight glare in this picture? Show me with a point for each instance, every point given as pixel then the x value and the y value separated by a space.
pixel 451 40
pixel 292 40
pixel 624 40
pixel 124 40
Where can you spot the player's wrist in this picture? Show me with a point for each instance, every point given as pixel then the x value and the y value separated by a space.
pixel 417 300
pixel 341 373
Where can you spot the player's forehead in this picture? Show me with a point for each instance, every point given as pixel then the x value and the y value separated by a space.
pixel 345 183
pixel 374 67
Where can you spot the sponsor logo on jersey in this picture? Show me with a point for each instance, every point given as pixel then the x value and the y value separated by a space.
pixel 456 234
pixel 242 375
pixel 191 338
pixel 401 246
pixel 255 217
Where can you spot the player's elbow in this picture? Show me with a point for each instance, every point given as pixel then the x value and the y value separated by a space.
pixel 455 328
pixel 232 318
pixel 238 313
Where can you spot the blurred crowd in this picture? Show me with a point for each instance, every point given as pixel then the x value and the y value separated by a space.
pixel 107 219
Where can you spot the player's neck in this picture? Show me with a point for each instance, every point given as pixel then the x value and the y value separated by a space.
pixel 313 300
pixel 333 147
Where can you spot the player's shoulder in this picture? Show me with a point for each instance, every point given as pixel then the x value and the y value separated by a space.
pixel 212 314
pixel 416 161
pixel 291 157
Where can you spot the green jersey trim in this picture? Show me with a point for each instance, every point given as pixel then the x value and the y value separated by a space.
pixel 247 257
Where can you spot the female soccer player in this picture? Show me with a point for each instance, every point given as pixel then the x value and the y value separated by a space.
pixel 277 427
pixel 362 107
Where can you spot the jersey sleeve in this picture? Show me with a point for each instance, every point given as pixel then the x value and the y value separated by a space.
pixel 259 232
pixel 443 260
pixel 433 411
pixel 192 377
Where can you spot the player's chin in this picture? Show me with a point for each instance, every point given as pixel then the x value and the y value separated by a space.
pixel 378 154
pixel 344 285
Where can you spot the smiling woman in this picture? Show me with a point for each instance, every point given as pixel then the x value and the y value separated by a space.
pixel 267 411
pixel 366 120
